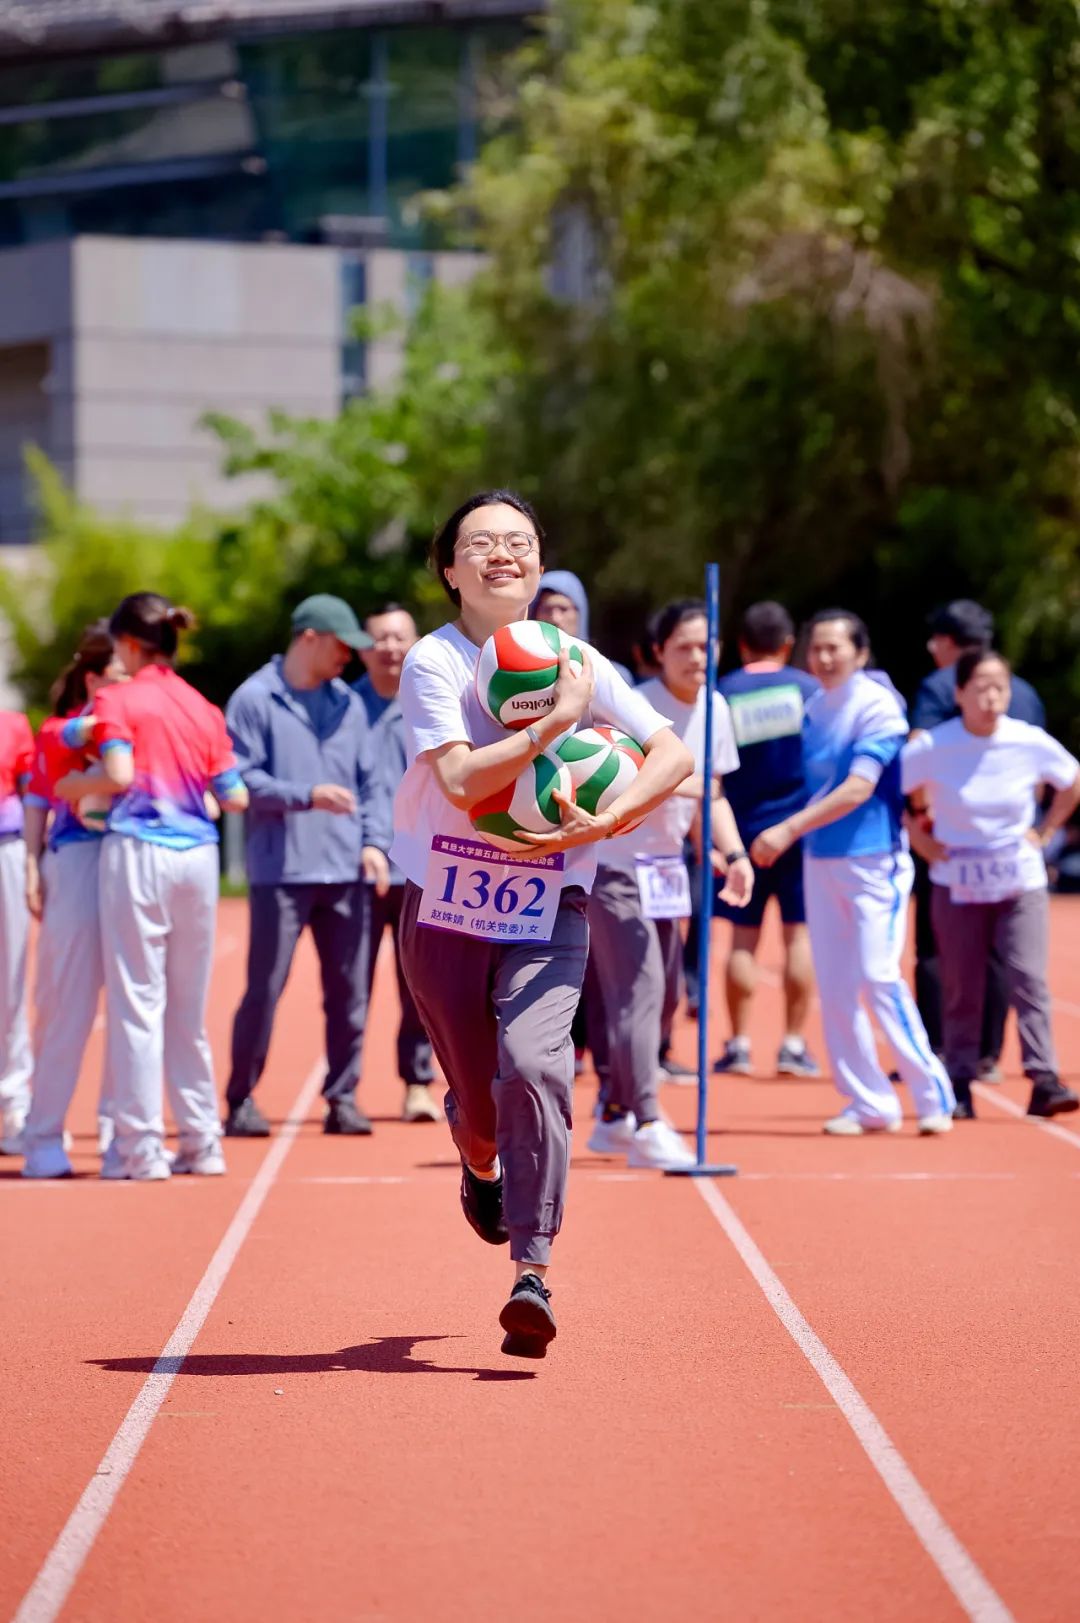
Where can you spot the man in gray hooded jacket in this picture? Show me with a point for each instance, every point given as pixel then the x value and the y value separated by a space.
pixel 318 826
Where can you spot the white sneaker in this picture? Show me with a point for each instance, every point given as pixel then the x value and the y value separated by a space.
pixel 12 1122
pixel 47 1161
pixel 848 1124
pixel 209 1162
pixel 658 1145
pixel 419 1104
pixel 930 1125
pixel 147 1169
pixel 613 1137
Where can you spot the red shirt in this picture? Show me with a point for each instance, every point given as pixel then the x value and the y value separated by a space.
pixel 180 746
pixel 53 760
pixel 16 761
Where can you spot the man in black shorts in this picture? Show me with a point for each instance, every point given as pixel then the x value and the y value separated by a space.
pixel 766 700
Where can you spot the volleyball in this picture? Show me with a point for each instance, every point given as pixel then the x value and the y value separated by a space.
pixel 527 805
pixel 517 669
pixel 602 763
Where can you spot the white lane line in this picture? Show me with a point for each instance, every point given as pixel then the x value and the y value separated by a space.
pixel 877 1177
pixel 357 1179
pixel 46 1596
pixel 977 1599
pixel 991 1096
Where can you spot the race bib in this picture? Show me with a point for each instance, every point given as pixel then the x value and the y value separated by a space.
pixel 988 876
pixel 472 889
pixel 664 887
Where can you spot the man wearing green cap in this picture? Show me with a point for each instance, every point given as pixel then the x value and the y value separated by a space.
pixel 318 827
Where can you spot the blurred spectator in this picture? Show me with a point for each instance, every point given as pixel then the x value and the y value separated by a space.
pixel 642 894
pixel 302 743
pixel 393 631
pixel 959 626
pixel 858 875
pixel 16 761
pixel 982 771
pixel 766 699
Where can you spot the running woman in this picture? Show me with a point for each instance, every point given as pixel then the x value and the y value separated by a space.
pixel 858 876
pixel 62 891
pixel 16 760
pixel 163 746
pixel 499 1012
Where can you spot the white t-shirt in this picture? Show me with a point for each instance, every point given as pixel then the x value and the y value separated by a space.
pixel 982 790
pixel 664 831
pixel 440 706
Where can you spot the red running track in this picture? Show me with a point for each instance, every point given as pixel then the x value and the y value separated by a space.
pixel 345 1443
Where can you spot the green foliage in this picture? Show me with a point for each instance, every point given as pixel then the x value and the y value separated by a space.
pixel 236 581
pixel 793 284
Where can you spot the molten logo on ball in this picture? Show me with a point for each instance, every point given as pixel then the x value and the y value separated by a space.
pixel 518 669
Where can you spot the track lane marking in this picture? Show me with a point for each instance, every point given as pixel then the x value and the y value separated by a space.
pixel 48 1593
pixel 991 1096
pixel 976 1597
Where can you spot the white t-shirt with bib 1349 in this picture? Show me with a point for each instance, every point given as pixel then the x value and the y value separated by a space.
pixel 982 791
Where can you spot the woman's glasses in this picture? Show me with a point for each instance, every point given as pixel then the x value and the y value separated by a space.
pixel 481 543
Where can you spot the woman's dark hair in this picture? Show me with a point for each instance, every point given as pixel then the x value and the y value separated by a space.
pixel 151 620
pixel 972 658
pixel 666 621
pixel 857 630
pixel 442 547
pixel 92 657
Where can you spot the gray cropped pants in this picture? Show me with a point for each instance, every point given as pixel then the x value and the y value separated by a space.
pixel 637 962
pixel 499 1018
pixel 1018 930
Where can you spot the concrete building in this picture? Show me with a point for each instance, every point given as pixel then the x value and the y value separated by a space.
pixel 193 199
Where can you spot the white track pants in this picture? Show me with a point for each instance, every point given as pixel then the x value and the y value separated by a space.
pixel 70 976
pixel 15 1060
pixel 158 915
pixel 856 908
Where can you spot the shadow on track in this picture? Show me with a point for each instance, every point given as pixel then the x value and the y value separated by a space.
pixel 386 1355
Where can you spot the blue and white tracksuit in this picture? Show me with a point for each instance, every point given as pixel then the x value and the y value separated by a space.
pixel 858 876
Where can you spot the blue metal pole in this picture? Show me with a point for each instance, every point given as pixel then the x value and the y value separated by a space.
pixel 712 602
pixel 702 1168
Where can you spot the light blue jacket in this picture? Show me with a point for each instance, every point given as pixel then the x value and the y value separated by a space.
pixel 281 758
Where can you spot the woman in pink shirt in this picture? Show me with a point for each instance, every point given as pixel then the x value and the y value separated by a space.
pixel 163 747
pixel 62 891
pixel 16 759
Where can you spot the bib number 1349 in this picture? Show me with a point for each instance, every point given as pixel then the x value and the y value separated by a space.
pixel 472 889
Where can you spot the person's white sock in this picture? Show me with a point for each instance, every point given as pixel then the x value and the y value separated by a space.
pixel 739 1045
pixel 487 1174
pixel 795 1043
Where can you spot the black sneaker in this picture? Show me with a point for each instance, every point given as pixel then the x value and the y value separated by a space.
pixel 481 1201
pixel 342 1116
pixel 246 1120
pixel 1052 1099
pixel 527 1319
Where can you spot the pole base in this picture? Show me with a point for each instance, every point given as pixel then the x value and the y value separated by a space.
pixel 705 1171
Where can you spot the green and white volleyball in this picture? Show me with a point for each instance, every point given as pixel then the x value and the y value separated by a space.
pixel 602 763
pixel 527 805
pixel 517 670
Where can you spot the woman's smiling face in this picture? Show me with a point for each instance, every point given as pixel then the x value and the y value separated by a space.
pixel 499 575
